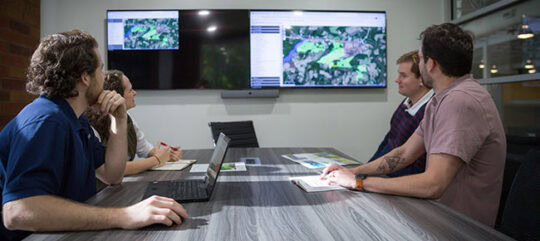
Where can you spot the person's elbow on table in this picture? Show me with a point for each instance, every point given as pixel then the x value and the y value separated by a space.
pixel 12 214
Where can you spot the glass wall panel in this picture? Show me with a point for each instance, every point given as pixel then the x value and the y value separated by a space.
pixel 463 7
pixel 519 108
pixel 501 48
pixel 478 63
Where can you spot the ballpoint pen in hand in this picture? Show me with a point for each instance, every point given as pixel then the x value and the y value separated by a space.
pixel 172 148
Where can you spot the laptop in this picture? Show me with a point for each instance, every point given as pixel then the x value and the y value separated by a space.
pixel 193 190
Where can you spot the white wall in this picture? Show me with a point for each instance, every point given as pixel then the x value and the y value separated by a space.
pixel 352 120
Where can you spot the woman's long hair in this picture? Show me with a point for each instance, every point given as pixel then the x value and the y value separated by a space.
pixel 102 122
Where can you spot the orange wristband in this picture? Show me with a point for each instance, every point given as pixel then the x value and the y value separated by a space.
pixel 360 184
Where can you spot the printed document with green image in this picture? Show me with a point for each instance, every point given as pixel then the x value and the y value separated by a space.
pixel 233 167
pixel 318 160
pixel 225 167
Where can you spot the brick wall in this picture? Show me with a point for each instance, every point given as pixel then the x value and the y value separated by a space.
pixel 19 37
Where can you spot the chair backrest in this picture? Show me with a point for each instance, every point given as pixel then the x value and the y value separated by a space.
pixel 242 133
pixel 520 218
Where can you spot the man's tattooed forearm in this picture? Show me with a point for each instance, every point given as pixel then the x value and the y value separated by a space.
pixel 389 163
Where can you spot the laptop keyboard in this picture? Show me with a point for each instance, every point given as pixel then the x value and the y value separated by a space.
pixel 187 190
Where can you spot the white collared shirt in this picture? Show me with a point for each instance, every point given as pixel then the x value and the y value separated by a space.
pixel 413 109
pixel 143 146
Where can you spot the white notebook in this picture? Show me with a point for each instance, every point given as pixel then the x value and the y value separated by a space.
pixel 174 166
pixel 314 184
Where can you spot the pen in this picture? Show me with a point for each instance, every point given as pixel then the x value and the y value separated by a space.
pixel 164 144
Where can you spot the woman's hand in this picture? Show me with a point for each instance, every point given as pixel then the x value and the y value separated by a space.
pixel 176 153
pixel 162 154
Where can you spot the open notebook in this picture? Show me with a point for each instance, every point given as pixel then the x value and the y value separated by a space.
pixel 174 166
pixel 314 184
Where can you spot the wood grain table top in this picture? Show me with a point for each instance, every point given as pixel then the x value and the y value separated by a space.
pixel 262 204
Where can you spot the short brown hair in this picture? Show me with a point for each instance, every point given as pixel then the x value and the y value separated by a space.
pixel 449 45
pixel 58 63
pixel 413 58
pixel 113 81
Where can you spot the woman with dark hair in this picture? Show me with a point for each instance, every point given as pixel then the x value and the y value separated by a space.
pixel 154 155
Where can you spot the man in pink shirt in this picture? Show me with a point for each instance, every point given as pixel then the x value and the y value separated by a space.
pixel 461 133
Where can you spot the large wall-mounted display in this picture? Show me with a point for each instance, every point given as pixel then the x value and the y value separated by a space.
pixel 318 49
pixel 242 49
pixel 184 49
pixel 142 30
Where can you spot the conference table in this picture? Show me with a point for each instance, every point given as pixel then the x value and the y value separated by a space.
pixel 262 204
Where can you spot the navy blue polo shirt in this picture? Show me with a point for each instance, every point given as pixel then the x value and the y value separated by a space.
pixel 47 150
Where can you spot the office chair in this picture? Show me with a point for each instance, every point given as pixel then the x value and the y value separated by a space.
pixel 520 217
pixel 242 133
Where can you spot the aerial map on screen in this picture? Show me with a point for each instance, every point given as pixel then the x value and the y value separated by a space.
pixel 334 56
pixel 151 33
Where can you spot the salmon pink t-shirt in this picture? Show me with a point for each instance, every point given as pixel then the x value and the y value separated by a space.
pixel 463 121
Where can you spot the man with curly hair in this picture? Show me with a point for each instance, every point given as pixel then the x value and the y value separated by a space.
pixel 461 133
pixel 50 158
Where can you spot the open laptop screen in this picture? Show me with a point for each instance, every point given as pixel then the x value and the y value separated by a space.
pixel 217 159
